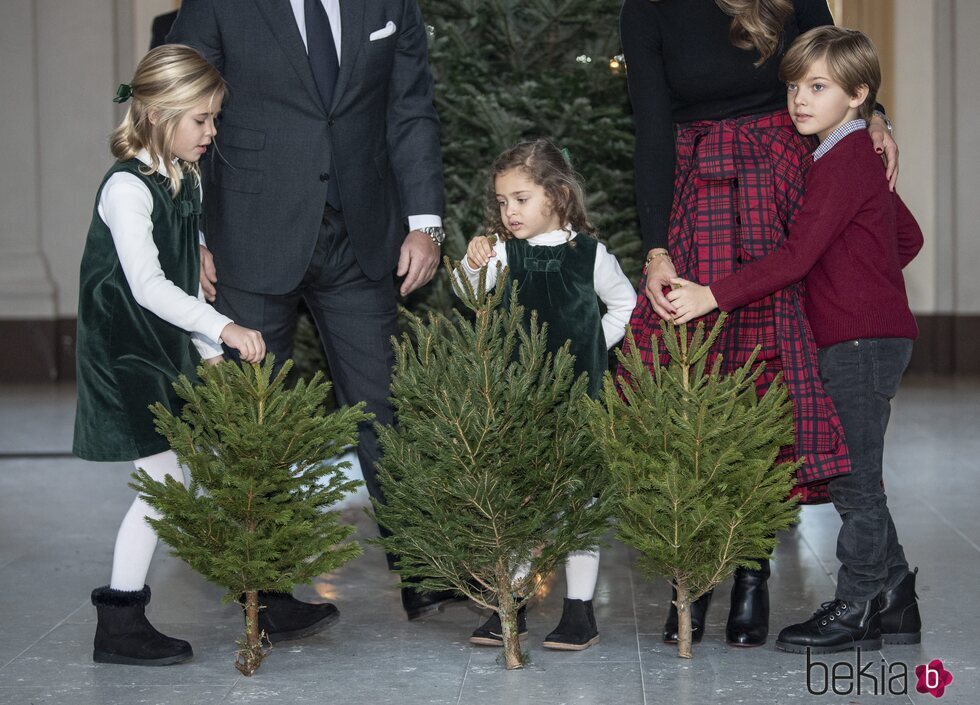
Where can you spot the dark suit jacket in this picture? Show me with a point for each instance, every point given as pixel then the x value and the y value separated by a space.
pixel 264 187
pixel 161 27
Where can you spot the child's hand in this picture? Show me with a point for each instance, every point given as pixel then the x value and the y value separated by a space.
pixel 215 360
pixel 690 300
pixel 479 252
pixel 248 342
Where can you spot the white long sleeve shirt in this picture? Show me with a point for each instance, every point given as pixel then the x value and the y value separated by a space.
pixel 611 286
pixel 126 207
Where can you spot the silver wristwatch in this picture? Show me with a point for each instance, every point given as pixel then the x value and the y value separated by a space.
pixel 884 118
pixel 436 232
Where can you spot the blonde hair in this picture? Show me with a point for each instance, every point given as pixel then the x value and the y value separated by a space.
pixel 756 24
pixel 545 165
pixel 850 56
pixel 169 81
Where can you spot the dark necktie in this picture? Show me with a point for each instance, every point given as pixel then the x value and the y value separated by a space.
pixel 322 51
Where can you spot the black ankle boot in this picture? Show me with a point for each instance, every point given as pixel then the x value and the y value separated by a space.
pixel 282 617
pixel 748 618
pixel 576 630
pixel 422 604
pixel 699 613
pixel 124 635
pixel 900 620
pixel 837 626
pixel 490 632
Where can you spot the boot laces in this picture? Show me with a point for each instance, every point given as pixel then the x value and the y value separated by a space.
pixel 829 611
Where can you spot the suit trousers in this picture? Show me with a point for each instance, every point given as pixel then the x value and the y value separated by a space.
pixel 356 318
pixel 862 377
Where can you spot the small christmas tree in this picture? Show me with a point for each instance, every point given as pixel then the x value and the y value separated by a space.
pixel 492 465
pixel 693 455
pixel 253 517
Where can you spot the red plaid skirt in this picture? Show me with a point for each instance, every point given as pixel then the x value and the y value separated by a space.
pixel 737 185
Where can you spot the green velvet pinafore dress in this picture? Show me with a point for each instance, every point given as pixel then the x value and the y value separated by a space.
pixel 557 282
pixel 127 357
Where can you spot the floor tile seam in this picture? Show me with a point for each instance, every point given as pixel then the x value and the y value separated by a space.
pixel 44 636
pixel 231 688
pixel 636 628
pixel 950 526
pixel 826 569
pixel 36 455
pixel 462 681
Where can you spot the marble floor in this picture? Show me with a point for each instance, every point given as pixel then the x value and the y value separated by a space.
pixel 58 518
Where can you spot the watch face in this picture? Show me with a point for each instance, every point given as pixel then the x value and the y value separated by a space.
pixel 437 234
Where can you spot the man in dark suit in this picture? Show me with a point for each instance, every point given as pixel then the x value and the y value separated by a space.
pixel 161 28
pixel 327 152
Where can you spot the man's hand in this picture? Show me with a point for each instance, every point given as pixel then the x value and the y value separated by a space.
pixel 209 277
pixel 417 262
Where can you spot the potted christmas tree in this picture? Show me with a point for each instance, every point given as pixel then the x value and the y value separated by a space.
pixel 253 517
pixel 692 454
pixel 492 465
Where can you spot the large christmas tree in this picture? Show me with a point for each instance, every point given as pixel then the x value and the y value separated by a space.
pixel 492 467
pixel 254 517
pixel 519 69
pixel 692 454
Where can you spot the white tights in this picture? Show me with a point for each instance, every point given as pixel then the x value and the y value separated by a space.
pixel 136 540
pixel 581 573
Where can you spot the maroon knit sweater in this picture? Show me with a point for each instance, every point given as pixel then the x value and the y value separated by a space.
pixel 849 242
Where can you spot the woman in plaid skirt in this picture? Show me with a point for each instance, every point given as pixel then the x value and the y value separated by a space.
pixel 720 174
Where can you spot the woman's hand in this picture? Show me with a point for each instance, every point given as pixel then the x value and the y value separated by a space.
pixel 479 252
pixel 885 146
pixel 690 300
pixel 660 270
pixel 248 342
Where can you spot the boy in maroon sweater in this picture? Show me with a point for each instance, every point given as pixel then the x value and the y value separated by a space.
pixel 849 244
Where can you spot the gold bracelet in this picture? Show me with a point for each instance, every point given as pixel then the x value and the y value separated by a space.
pixel 652 257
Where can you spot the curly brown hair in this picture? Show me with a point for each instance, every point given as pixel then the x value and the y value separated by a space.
pixel 547 167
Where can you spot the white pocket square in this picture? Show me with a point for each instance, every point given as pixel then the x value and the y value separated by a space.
pixel 385 31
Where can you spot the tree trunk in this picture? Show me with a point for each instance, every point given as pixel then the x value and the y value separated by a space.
pixel 507 610
pixel 250 652
pixel 683 620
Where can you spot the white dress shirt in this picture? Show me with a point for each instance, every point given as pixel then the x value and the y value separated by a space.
pixel 126 207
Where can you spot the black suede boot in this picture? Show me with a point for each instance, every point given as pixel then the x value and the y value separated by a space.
pixel 282 617
pixel 900 620
pixel 489 633
pixel 422 604
pixel 125 636
pixel 576 630
pixel 838 625
pixel 699 613
pixel 748 618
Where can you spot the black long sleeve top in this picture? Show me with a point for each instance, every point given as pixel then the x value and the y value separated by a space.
pixel 681 66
